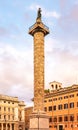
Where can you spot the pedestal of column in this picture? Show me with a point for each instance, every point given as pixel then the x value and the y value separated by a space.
pixel 39 121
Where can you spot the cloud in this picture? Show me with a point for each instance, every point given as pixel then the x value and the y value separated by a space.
pixel 68 23
pixel 61 62
pixel 11 31
pixel 45 12
pixel 73 14
pixel 26 17
pixel 34 7
pixel 63 3
pixel 50 14
pixel 69 19
pixel 16 73
pixel 3 31
pixel 16 68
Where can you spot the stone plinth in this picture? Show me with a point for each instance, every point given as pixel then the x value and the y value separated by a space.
pixel 39 121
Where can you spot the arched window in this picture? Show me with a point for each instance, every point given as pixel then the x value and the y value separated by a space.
pixel 56 86
pixel 52 86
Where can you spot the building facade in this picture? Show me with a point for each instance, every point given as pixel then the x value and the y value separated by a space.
pixel 61 104
pixel 28 112
pixel 11 113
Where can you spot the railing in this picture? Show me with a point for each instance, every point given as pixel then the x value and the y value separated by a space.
pixel 46 27
pixel 30 28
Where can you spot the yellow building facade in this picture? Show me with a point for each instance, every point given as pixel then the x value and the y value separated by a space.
pixel 61 104
pixel 12 116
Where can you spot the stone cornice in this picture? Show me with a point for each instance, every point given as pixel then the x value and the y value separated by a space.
pixel 8 98
pixel 38 26
pixel 62 91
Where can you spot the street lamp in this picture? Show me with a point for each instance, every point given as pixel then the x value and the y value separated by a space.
pixel 38 119
pixel 72 117
pixel 20 128
pixel 38 122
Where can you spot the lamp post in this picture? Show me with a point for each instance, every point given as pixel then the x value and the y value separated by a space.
pixel 5 123
pixel 20 128
pixel 38 122
pixel 72 121
pixel 38 119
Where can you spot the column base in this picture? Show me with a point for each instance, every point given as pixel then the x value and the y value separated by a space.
pixel 39 121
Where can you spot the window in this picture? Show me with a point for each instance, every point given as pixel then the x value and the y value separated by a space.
pixel 20 118
pixel 55 99
pixel 56 86
pixel 12 102
pixel 55 119
pixel 8 102
pixel 13 117
pixel 8 109
pixel 55 126
pixel 50 119
pixel 4 108
pixel 60 98
pixel 65 106
pixel 0 108
pixel 77 104
pixel 65 126
pixel 71 117
pixel 60 119
pixel 8 117
pixel 19 112
pixel 71 126
pixel 45 108
pixel 12 109
pixel 50 126
pixel 72 105
pixel 45 100
pixel 65 118
pixel 0 116
pixel 71 96
pixel 5 117
pixel 65 97
pixel 52 86
pixel 77 94
pixel 50 108
pixel 54 108
pixel 50 100
pixel 77 117
pixel 4 101
pixel 60 107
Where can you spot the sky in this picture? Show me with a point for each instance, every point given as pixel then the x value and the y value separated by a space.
pixel 16 45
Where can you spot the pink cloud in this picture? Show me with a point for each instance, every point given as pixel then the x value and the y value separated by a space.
pixel 3 31
pixel 15 72
pixel 74 13
pixel 63 4
pixel 61 62
pixel 70 20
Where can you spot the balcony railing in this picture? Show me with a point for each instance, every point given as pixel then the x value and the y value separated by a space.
pixel 47 28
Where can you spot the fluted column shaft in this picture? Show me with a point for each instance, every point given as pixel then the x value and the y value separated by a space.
pixel 39 71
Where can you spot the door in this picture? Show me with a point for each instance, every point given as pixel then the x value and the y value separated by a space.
pixel 60 127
